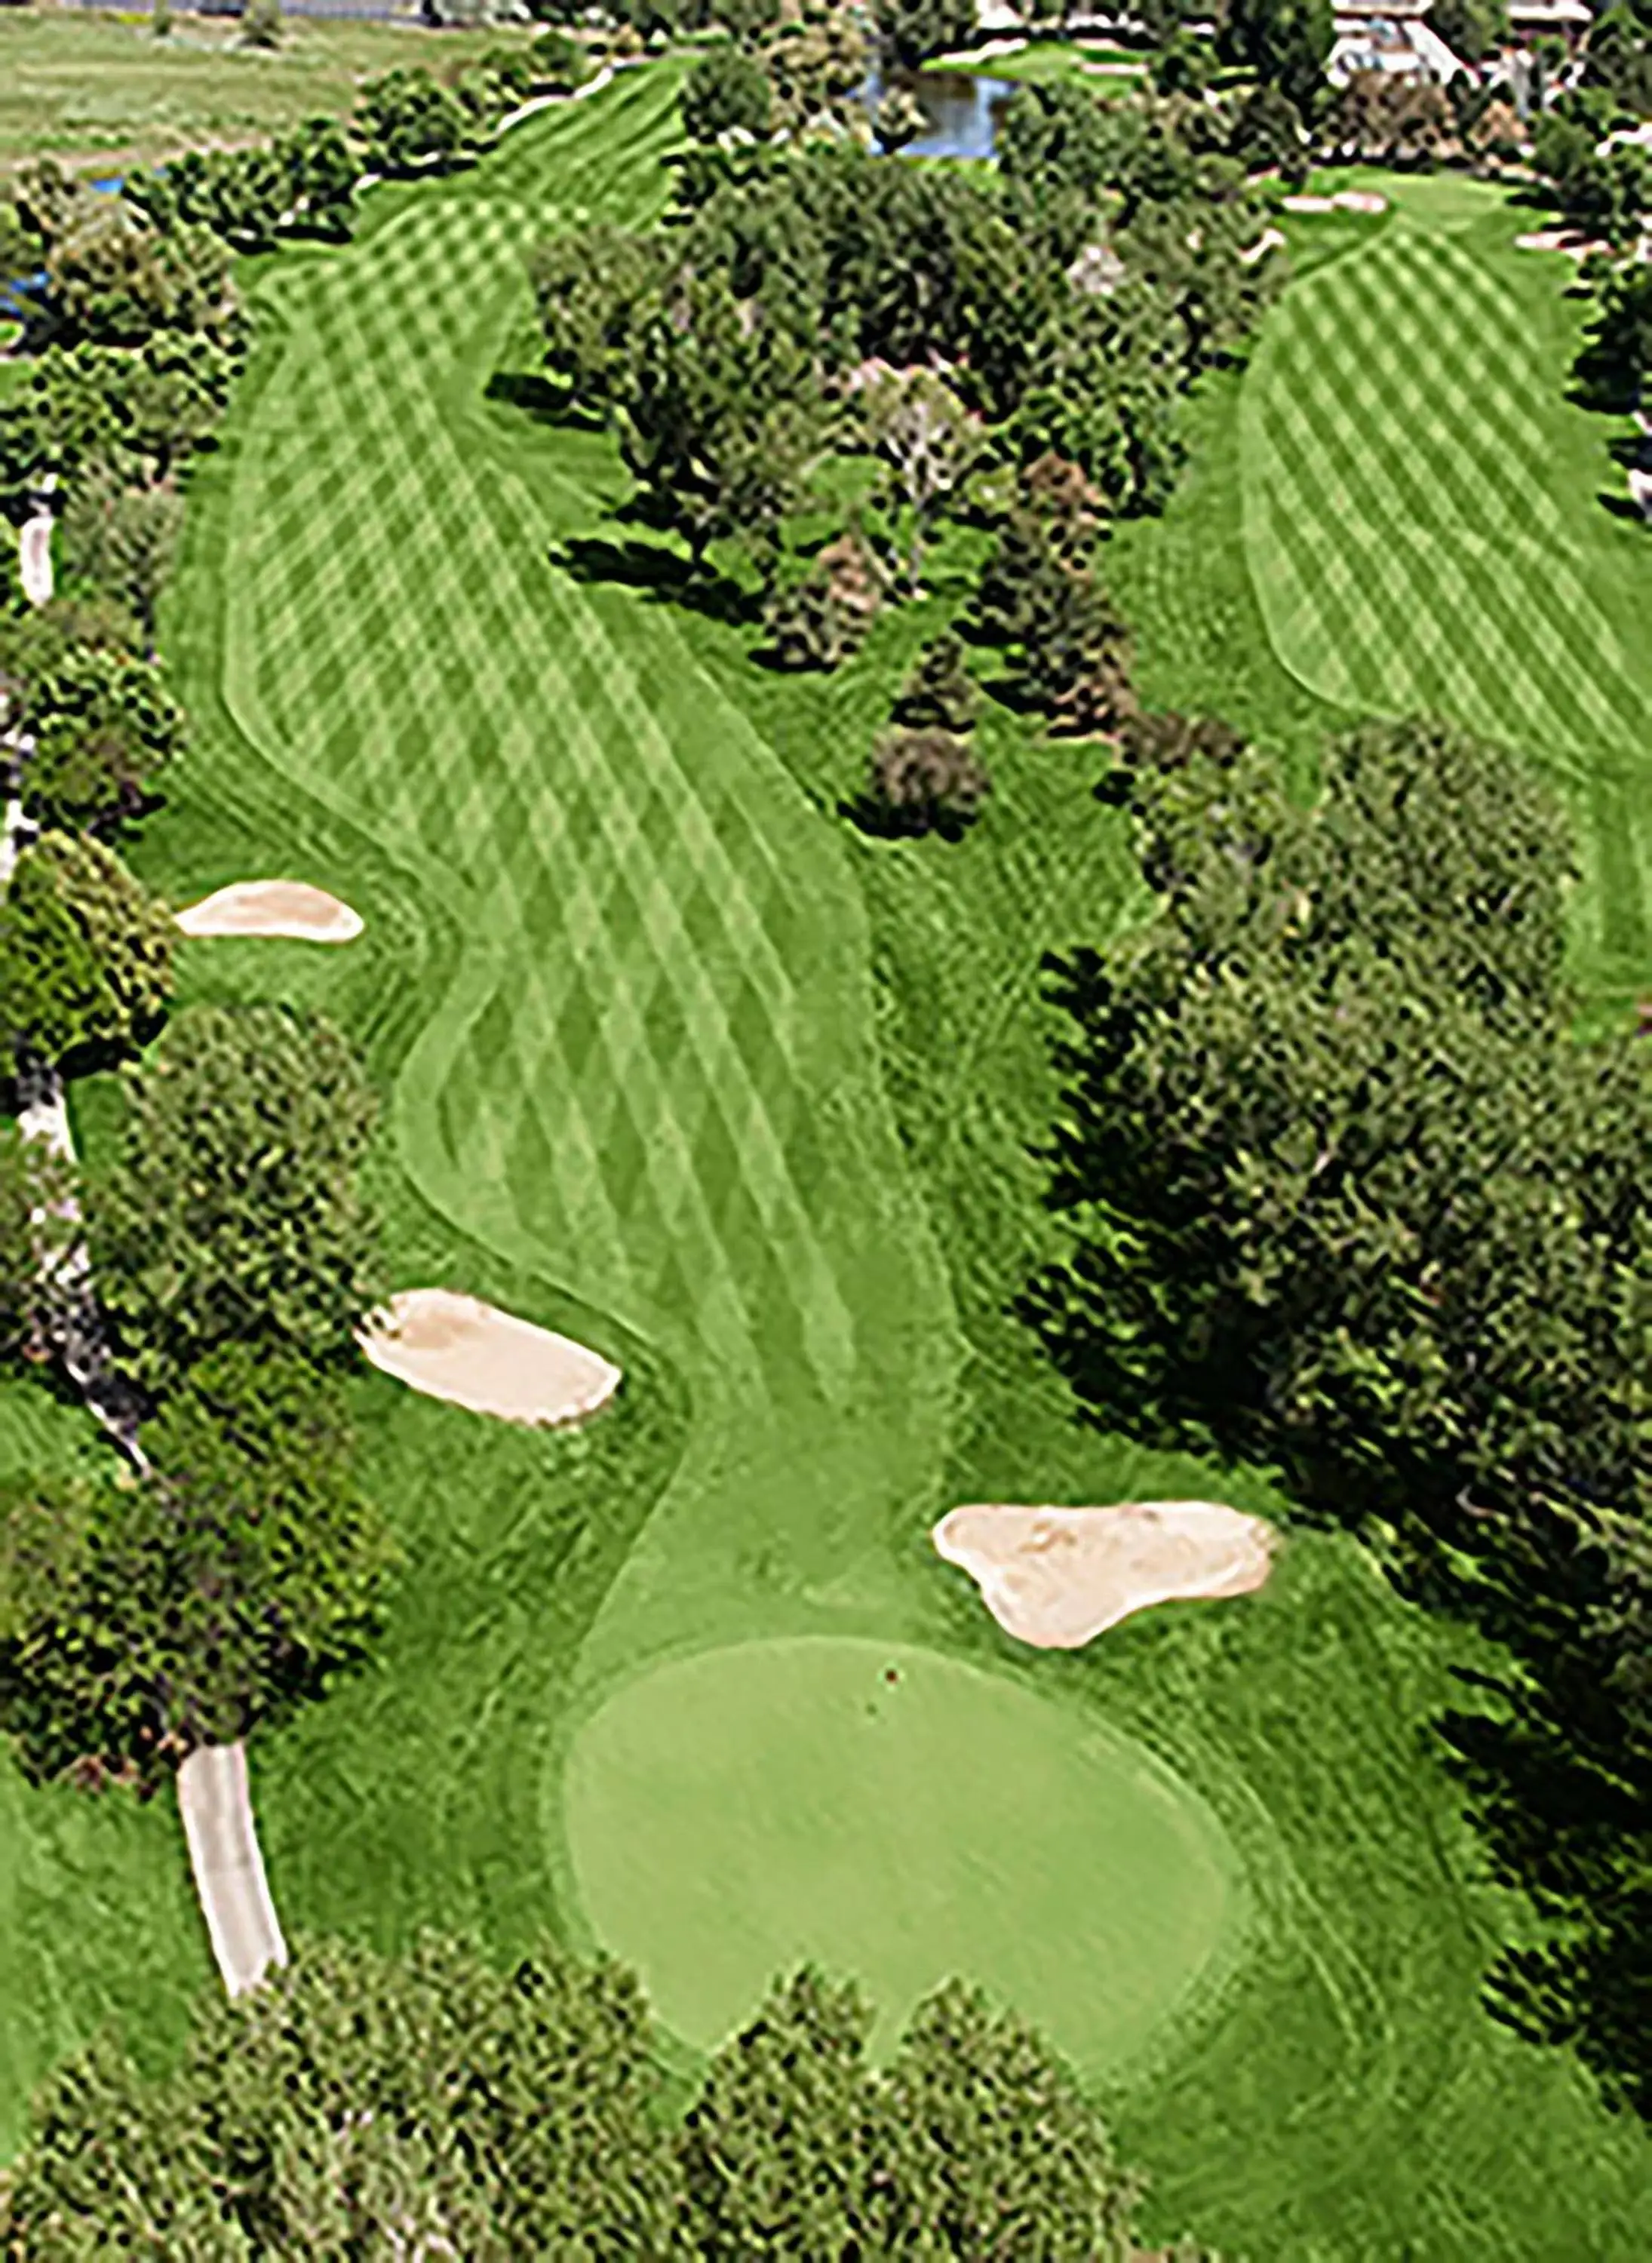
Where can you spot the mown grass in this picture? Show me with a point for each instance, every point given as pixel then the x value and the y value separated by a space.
pixel 673 1059
pixel 1427 524
pixel 92 87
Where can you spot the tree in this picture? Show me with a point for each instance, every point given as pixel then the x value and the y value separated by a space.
pixel 321 169
pixel 104 726
pixel 232 1213
pixel 727 92
pixel 35 1238
pixel 114 278
pixel 939 693
pixel 410 123
pixel 1472 29
pixel 995 2149
pixel 560 61
pixel 1617 361
pixel 1285 42
pixel 144 1620
pixel 123 536
pixel 922 780
pixel 776 2152
pixel 85 958
pixel 1619 58
pixel 930 440
pixel 261 22
pixel 427 2104
pixel 820 620
pixel 1070 655
pixel 1268 132
pixel 912 30
pixel 593 289
pixel 722 416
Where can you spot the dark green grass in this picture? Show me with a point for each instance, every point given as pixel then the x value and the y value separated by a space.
pixel 672 1058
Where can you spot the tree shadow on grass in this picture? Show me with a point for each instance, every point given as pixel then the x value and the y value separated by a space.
pixel 537 398
pixel 663 575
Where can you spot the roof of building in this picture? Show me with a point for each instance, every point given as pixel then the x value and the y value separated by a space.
pixel 1549 12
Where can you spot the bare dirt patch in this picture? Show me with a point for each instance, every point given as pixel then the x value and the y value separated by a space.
pixel 1057 1577
pixel 457 1348
pixel 272 908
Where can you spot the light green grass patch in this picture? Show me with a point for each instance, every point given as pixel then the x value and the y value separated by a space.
pixel 902 1816
pixel 92 87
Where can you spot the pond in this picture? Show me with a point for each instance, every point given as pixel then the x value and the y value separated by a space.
pixel 963 108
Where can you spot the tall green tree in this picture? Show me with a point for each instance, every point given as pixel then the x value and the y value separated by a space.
pixel 727 92
pixel 994 2149
pixel 778 2152
pixel 85 958
pixel 722 418
pixel 233 1212
pixel 1285 42
pixel 911 31
pixel 142 1620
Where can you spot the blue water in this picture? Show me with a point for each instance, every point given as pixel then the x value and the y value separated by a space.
pixel 962 108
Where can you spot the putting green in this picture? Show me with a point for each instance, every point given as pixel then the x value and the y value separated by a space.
pixel 731 1814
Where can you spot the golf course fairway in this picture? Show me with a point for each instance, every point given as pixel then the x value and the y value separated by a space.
pixel 895 1813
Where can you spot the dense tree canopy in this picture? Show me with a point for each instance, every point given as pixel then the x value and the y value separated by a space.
pixel 1346 1198
pixel 911 31
pixel 1285 42
pixel 100 722
pixel 430 2104
pixel 234 1212
pixel 85 958
pixel 141 1618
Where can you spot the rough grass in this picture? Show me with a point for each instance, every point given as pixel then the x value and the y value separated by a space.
pixel 91 87
pixel 672 1060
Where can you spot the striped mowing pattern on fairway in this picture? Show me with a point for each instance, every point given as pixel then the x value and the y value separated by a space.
pixel 624 1068
pixel 1409 547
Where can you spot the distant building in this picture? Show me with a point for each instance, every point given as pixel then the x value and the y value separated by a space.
pixel 1533 19
pixel 1391 37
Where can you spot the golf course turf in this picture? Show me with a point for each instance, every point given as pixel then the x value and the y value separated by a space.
pixel 897 1814
pixel 674 1063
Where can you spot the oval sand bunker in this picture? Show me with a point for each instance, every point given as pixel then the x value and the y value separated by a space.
pixel 291 908
pixel 898 1816
pixel 1059 1577
pixel 458 1348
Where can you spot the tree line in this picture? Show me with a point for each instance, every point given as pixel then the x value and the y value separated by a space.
pixel 431 2104
pixel 1344 1194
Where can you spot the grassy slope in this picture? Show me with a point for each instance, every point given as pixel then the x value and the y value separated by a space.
pixel 94 86
pixel 654 1032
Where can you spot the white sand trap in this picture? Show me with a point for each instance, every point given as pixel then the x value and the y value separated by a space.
pixel 278 907
pixel 457 1348
pixel 1269 240
pixel 1641 491
pixel 1365 201
pixel 1059 1577
pixel 1307 203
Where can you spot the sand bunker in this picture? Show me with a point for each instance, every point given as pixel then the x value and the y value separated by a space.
pixel 1056 1578
pixel 1641 491
pixel 1359 200
pixel 458 1348
pixel 278 907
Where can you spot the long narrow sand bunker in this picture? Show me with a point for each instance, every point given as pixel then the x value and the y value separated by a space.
pixel 1057 1577
pixel 458 1348
pixel 291 908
